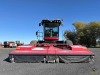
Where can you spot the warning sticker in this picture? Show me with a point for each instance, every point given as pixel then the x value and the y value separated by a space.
pixel 24 46
pixel 77 46
pixel 38 48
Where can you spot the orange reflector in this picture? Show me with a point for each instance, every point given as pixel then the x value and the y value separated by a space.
pixel 17 48
pixel 84 48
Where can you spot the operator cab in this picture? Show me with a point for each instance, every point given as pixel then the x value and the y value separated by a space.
pixel 51 29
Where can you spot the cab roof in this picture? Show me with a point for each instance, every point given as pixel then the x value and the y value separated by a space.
pixel 51 22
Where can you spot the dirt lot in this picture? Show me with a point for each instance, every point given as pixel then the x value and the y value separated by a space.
pixel 49 69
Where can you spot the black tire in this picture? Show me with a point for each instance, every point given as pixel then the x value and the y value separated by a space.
pixel 5 46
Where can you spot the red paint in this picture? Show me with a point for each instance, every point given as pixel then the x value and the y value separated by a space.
pixel 51 38
pixel 76 50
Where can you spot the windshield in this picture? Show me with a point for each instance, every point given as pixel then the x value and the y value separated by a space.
pixel 51 31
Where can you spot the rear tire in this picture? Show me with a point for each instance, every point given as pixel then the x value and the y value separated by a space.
pixel 5 46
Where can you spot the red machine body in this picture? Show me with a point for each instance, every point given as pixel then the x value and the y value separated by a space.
pixel 50 49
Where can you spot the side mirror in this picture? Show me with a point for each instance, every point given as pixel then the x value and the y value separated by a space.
pixel 39 24
pixel 36 32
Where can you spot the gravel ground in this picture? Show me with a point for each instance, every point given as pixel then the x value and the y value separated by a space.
pixel 49 69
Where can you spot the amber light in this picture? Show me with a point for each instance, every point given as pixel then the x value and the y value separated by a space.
pixel 85 48
pixel 17 48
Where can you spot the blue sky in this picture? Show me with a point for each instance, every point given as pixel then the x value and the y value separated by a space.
pixel 19 18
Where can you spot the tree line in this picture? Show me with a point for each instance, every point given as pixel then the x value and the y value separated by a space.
pixel 85 33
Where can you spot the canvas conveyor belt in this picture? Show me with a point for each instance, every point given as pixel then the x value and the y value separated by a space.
pixel 50 58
